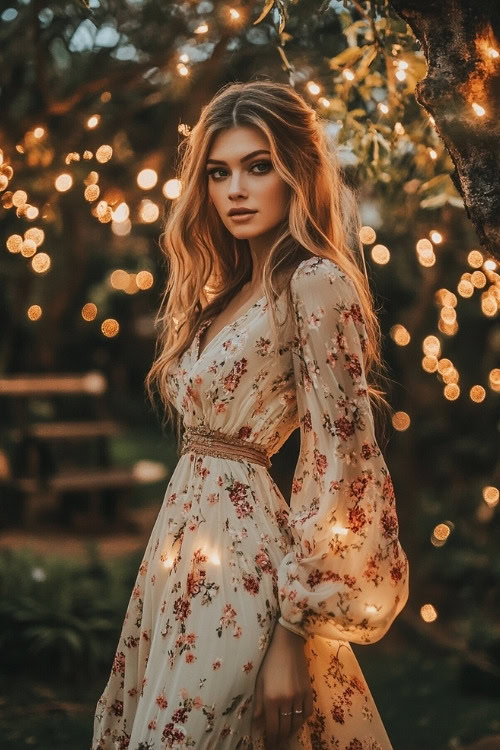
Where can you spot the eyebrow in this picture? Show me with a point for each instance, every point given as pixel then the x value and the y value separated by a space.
pixel 243 159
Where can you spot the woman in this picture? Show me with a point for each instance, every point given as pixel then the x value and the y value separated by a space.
pixel 238 629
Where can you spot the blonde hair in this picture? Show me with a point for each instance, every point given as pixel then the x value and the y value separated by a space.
pixel 207 265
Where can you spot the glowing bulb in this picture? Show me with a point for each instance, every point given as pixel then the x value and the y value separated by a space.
pixel 400 75
pixel 172 189
pixel 39 132
pixel 147 178
pixel 34 312
pixel 490 496
pixel 182 69
pixel 493 52
pixel 121 212
pixel 348 74
pixel 149 211
pixel 432 153
pixel 480 111
pixel 201 29
pixel 337 529
pixel 234 13
pixel 110 327
pixel 401 421
pixel 89 311
pixel 103 153
pixel 93 121
pixel 436 237
pixel 144 279
pixel 428 613
pixel 313 88
pixel 367 235
pixel 380 254
pixel 477 393
pixel 63 182
pixel 383 108
pixel 40 262
pixel 431 346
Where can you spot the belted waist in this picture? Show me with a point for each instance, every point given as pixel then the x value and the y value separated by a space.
pixel 221 445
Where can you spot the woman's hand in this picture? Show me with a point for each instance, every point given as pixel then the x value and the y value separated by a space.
pixel 282 686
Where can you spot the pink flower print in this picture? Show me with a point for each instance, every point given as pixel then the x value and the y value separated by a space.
pixel 353 366
pixel 198 702
pixel 389 523
pixel 344 428
pixel 251 583
pixel 248 667
pixel 216 664
pixel 357 519
pixel 233 378
pixel 161 700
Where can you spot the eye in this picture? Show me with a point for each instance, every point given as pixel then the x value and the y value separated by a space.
pixel 266 164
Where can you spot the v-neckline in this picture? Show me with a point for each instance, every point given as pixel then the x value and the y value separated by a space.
pixel 198 356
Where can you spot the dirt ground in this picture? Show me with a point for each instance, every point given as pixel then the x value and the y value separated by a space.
pixel 112 542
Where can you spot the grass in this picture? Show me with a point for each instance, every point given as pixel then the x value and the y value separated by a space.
pixel 416 692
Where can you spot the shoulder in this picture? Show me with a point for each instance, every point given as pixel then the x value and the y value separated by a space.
pixel 318 279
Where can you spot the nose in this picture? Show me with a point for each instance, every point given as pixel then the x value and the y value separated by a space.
pixel 236 187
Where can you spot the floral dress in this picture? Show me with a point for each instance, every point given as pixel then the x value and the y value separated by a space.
pixel 228 556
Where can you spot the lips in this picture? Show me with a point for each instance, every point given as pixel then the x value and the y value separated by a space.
pixel 242 212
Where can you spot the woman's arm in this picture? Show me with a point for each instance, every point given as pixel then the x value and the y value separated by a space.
pixel 282 686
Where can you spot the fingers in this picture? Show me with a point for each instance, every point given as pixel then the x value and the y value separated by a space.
pixel 281 723
pixel 257 710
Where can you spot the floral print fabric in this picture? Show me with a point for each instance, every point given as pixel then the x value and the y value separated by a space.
pixel 227 555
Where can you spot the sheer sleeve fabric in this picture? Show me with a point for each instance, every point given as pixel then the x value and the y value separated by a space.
pixel 346 576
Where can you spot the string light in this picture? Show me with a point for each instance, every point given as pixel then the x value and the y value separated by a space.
pixel 380 254
pixel 89 311
pixel 491 496
pixel 367 235
pixel 147 179
pixel 149 211
pixel 63 182
pixel 103 154
pixel 480 111
pixel 347 73
pixel 428 613
pixel 431 346
pixel 234 13
pixel 401 421
pixel 40 262
pixel 383 108
pixel 34 312
pixel 494 379
pixel 451 391
pixel 39 132
pixel 436 236
pixel 121 212
pixel 313 88
pixel 93 121
pixel 144 280
pixel 400 335
pixel 493 52
pixel 475 259
pixel 172 189
pixel 110 327
pixel 477 393
pixel 201 29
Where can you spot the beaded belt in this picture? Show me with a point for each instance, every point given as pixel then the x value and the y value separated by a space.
pixel 217 443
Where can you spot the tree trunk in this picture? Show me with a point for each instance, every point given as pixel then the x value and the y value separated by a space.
pixel 458 37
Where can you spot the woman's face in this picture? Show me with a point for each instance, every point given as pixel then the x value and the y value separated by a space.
pixel 237 181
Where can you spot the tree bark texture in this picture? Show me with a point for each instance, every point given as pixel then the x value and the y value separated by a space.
pixel 457 37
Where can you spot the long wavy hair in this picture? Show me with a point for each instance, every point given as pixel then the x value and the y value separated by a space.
pixel 206 265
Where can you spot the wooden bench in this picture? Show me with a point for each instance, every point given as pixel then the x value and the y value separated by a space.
pixel 45 465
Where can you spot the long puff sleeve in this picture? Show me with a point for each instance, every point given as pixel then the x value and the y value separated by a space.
pixel 346 576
